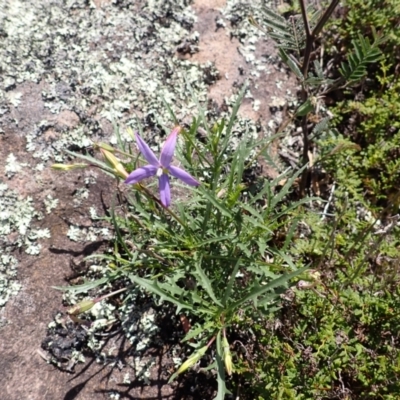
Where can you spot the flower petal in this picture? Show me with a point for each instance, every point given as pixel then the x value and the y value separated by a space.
pixel 141 173
pixel 168 149
pixel 146 151
pixel 183 176
pixel 165 193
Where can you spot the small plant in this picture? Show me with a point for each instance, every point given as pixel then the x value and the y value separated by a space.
pixel 295 39
pixel 211 252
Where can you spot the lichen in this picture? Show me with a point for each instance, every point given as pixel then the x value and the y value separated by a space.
pixel 87 234
pixel 50 203
pixel 12 166
pixel 90 58
pixel 17 216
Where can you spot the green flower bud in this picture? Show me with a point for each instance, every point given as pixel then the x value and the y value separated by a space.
pixel 81 307
pixel 105 146
pixel 227 356
pixel 68 167
pixel 114 163
pixel 192 359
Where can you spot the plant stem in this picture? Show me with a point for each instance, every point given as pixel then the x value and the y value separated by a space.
pixel 168 210
pixel 310 40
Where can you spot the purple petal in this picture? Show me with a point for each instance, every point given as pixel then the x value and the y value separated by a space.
pixel 146 151
pixel 141 173
pixel 165 193
pixel 168 149
pixel 183 176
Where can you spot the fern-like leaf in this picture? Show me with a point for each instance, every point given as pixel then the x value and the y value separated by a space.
pixel 288 34
pixel 365 53
pixel 320 128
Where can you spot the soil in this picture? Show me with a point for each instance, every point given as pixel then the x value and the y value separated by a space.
pixel 25 375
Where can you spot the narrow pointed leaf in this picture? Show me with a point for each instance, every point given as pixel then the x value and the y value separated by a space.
pixel 153 287
pixel 215 202
pixel 206 283
pixel 258 291
pixel 231 281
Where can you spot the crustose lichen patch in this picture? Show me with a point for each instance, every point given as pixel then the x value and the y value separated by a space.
pixel 17 215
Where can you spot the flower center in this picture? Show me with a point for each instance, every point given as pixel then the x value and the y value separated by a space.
pixel 160 171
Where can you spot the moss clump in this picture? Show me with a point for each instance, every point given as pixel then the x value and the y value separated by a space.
pixel 372 120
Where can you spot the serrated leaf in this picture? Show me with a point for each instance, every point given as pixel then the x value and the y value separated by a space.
pixel 206 283
pixel 153 287
pixel 364 53
pixel 260 290
pixel 196 331
pixel 289 183
pixel 320 127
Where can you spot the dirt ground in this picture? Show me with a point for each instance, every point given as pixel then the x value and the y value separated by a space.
pixel 25 375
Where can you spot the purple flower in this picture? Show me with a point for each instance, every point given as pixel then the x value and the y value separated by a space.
pixel 160 167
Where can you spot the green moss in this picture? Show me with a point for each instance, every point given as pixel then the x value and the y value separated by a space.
pixel 372 122
pixel 331 345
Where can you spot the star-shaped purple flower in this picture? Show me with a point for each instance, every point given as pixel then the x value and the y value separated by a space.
pixel 160 167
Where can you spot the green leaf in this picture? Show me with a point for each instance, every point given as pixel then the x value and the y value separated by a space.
pixel 216 240
pixel 364 53
pixel 261 289
pixel 214 202
pixel 289 183
pixel 120 238
pixel 231 281
pixel 292 63
pixel 219 364
pixel 196 331
pixel 153 287
pixel 304 108
pixel 206 283
pixel 232 117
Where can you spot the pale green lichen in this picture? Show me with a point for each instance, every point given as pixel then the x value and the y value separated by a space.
pixel 140 327
pixel 87 234
pixel 90 58
pixel 114 395
pixel 17 216
pixel 142 368
pixel 50 203
pixel 12 166
pixel 260 62
pixel 14 98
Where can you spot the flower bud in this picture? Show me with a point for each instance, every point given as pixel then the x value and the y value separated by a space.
pixel 114 163
pixel 81 307
pixel 227 356
pixel 192 359
pixel 304 108
pixel 130 133
pixel 105 146
pixel 68 167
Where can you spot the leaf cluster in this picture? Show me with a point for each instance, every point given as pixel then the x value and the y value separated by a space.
pixel 331 344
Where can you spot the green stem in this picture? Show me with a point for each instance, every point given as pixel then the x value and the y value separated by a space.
pixel 168 210
pixel 112 293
